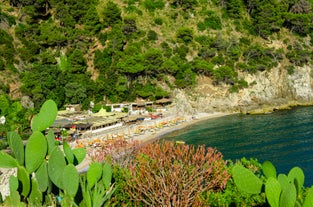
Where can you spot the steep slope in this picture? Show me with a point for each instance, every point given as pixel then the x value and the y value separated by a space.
pixel 229 55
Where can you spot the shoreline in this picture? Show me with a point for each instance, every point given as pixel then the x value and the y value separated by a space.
pixel 148 137
pixel 151 137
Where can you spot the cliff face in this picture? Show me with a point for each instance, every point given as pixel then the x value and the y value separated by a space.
pixel 267 91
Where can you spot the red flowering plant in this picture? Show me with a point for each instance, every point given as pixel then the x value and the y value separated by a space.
pixel 170 174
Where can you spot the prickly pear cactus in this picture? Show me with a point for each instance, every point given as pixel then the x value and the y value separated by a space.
pixel 246 180
pixel 46 116
pixel 107 175
pixel 35 151
pixel 70 180
pixel 7 161
pixel 42 176
pixel 35 197
pixel 68 153
pixel 24 177
pixel 288 196
pixel 56 165
pixel 17 146
pixel 284 181
pixel 269 169
pixel 308 202
pixel 272 191
pixel 94 174
pixel 296 176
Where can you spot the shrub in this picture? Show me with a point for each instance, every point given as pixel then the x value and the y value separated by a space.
pixel 181 51
pixel 224 73
pixel 201 26
pixel 185 34
pixel 185 77
pixel 239 84
pixel 102 37
pixel 299 56
pixel 152 35
pixel 158 21
pixel 177 173
pixel 152 5
pixel 213 22
pixel 291 69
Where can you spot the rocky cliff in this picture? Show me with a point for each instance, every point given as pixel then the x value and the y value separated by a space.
pixel 267 91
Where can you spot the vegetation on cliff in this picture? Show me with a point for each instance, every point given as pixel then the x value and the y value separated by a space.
pixel 95 50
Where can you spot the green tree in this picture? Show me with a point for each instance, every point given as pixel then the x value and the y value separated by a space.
pixel 7 49
pixel 169 66
pixel 116 41
pixel 299 23
pixel 17 118
pixel 153 60
pixel 235 8
pixel 75 93
pixel 267 17
pixel 203 67
pixel 51 35
pixel 185 34
pixel 77 62
pixel 131 65
pixel 64 16
pixel 152 35
pixel 224 73
pixel 111 14
pixel 160 93
pixel 91 20
pixel 146 91
pixel 185 77
pixel 102 60
pixel 166 49
pixel 129 27
pixel 43 81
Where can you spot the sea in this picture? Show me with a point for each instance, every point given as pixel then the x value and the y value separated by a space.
pixel 283 137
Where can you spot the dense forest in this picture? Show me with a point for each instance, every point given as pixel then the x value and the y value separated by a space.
pixel 113 51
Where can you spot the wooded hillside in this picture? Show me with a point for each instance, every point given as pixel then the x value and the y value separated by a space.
pixel 90 50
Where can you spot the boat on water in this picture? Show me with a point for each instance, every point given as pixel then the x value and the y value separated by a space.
pixel 180 142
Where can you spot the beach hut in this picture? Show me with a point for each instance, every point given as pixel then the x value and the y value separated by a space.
pixel 161 104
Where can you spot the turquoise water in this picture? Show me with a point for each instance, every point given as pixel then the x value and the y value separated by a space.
pixel 283 137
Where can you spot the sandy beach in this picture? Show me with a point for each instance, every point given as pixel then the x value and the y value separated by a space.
pixel 152 135
pixel 189 120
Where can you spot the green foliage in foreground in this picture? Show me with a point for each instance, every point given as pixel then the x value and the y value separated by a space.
pixel 280 191
pixel 45 173
pixel 47 176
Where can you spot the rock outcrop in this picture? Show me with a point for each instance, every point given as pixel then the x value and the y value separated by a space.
pixel 267 91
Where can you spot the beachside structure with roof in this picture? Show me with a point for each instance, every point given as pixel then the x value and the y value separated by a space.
pixel 139 107
pixel 86 124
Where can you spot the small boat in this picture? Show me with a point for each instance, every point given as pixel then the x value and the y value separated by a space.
pixel 180 142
